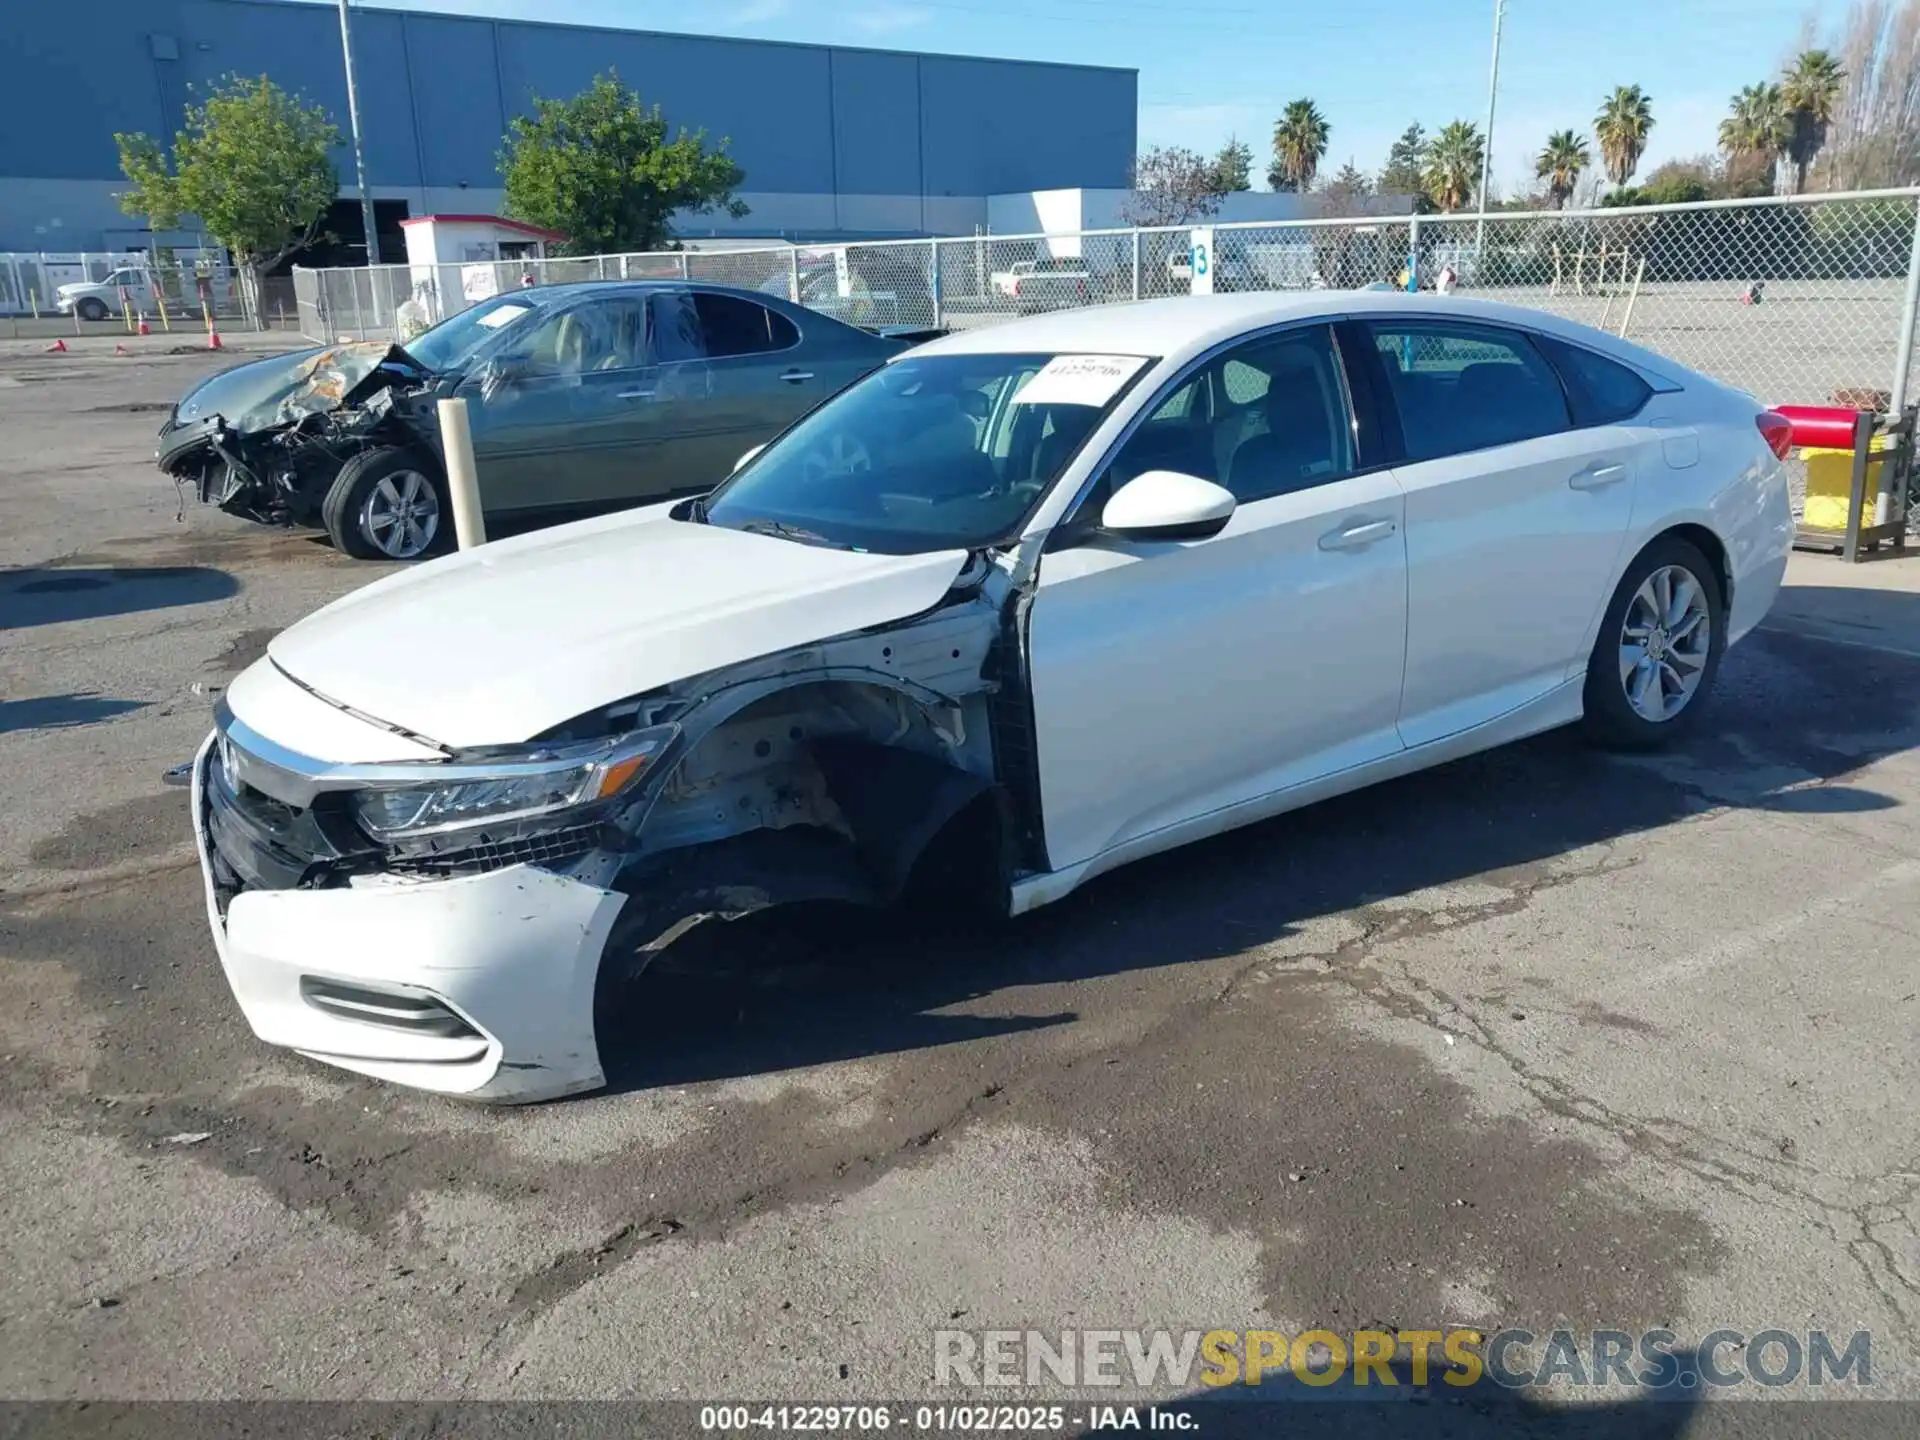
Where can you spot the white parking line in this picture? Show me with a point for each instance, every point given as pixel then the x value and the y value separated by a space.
pixel 1745 945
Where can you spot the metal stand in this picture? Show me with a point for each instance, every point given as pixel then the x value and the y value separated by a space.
pixel 1861 538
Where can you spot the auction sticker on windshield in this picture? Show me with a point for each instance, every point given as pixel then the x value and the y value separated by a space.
pixel 494 319
pixel 1079 380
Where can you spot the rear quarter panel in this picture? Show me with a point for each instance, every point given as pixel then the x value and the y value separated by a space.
pixel 1735 488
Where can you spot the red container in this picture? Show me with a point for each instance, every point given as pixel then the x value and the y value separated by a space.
pixel 1825 427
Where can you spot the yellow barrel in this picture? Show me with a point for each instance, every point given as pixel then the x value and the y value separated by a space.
pixel 1830 485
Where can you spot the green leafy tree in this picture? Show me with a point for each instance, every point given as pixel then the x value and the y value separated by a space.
pixel 1405 170
pixel 1560 163
pixel 1453 164
pixel 252 164
pixel 1756 131
pixel 1233 167
pixel 1621 127
pixel 602 168
pixel 1810 93
pixel 1299 144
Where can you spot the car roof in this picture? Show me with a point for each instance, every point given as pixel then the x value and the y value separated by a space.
pixel 1178 326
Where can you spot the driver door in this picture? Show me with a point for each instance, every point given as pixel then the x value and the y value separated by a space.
pixel 1174 680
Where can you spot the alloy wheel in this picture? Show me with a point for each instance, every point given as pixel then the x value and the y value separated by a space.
pixel 1666 638
pixel 401 515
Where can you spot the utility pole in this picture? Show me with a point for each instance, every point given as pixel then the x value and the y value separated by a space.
pixel 353 122
pixel 1486 158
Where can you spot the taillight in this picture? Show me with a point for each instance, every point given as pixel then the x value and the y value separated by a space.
pixel 1777 430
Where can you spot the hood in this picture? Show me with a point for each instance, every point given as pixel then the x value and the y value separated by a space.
pixel 281 388
pixel 496 645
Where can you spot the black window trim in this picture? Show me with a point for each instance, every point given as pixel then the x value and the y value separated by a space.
pixel 1067 533
pixel 1369 325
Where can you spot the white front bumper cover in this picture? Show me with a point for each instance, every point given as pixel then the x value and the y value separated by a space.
pixel 515 953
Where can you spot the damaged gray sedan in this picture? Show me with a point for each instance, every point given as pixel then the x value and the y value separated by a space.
pixel 581 398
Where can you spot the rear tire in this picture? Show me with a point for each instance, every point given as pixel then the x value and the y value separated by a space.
pixel 387 504
pixel 1658 652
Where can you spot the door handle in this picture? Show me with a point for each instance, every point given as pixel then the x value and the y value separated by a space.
pixel 1357 537
pixel 794 377
pixel 636 394
pixel 1598 477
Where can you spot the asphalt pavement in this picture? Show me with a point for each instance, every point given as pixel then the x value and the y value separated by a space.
pixel 1542 1038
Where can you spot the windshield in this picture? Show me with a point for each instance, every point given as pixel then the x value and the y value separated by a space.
pixel 936 452
pixel 451 343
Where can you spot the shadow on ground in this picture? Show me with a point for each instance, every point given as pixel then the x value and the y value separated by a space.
pixel 38 595
pixel 788 988
pixel 62 712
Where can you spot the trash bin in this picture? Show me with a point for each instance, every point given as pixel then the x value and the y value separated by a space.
pixel 1830 485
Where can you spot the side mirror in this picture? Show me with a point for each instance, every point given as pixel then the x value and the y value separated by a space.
pixel 1166 505
pixel 741 463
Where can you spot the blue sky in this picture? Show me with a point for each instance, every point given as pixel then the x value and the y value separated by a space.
pixel 1211 68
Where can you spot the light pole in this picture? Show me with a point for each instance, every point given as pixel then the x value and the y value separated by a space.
pixel 1486 156
pixel 353 123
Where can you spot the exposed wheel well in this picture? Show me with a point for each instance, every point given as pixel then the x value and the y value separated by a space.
pixel 1708 544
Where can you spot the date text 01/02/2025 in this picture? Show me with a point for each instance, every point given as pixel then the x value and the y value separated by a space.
pixel 938 1419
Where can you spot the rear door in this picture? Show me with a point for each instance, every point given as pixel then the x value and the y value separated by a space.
pixel 1515 517
pixel 764 373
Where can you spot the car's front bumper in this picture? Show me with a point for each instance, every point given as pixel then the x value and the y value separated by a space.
pixel 480 985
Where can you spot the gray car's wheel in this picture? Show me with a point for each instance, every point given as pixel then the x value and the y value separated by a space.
pixel 387 504
pixel 1659 648
pixel 92 308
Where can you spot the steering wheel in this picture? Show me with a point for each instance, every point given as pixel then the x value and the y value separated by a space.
pixel 839 454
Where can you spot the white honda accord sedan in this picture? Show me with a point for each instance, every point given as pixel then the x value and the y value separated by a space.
pixel 1026 604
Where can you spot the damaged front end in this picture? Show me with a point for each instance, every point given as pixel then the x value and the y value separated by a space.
pixel 265 440
pixel 530 886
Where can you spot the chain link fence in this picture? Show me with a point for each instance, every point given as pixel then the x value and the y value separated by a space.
pixel 1798 300
pixel 171 284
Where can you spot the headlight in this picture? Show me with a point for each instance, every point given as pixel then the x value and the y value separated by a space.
pixel 560 780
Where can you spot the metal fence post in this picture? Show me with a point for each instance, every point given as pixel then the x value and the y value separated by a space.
pixel 1136 262
pixel 793 274
pixel 933 278
pixel 683 265
pixel 1909 312
pixel 1413 251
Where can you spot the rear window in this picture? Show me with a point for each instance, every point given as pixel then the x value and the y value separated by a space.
pixel 1600 391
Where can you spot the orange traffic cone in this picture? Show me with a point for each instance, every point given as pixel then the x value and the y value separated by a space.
pixel 58 347
pixel 145 329
pixel 213 337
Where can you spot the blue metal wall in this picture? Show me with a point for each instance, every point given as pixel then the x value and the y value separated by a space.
pixel 435 91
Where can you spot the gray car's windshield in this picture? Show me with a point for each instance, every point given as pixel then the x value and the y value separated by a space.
pixel 933 452
pixel 449 344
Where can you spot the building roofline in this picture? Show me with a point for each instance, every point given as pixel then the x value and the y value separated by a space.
pixel 502 221
pixel 380 9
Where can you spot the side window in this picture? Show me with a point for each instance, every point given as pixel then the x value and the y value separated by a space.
pixel 1265 419
pixel 733 326
pixel 676 330
pixel 1603 392
pixel 1460 387
pixel 1285 425
pixel 600 335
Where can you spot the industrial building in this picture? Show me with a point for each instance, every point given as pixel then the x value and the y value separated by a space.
pixel 836 142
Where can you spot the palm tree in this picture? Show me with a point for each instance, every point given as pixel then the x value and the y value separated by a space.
pixel 1621 128
pixel 1560 165
pixel 1810 91
pixel 1757 128
pixel 1299 142
pixel 1453 164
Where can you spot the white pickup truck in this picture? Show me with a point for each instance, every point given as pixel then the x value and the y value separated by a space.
pixel 1033 285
